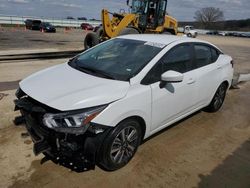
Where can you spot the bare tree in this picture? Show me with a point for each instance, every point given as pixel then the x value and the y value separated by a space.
pixel 206 16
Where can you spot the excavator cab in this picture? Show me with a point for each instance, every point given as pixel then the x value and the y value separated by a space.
pixel 145 16
pixel 151 13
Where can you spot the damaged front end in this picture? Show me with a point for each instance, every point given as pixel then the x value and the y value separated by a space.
pixel 66 138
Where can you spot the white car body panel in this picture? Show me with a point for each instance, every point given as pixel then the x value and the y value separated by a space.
pixel 136 103
pixel 65 88
pixel 172 101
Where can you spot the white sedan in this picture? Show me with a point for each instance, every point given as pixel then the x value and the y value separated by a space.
pixel 98 107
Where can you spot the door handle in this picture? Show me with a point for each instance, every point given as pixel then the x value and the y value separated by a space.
pixel 191 81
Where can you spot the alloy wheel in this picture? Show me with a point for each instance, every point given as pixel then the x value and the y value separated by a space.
pixel 124 145
pixel 219 97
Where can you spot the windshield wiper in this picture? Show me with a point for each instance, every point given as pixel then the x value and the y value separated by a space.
pixel 73 59
pixel 96 72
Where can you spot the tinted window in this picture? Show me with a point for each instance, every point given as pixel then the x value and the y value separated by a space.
pixel 177 59
pixel 215 54
pixel 120 58
pixel 203 55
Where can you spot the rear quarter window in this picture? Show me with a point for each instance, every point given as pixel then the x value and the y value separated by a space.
pixel 215 54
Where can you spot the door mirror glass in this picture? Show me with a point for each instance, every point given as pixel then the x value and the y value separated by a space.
pixel 172 76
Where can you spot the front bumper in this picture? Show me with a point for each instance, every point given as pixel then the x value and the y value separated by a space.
pixel 75 151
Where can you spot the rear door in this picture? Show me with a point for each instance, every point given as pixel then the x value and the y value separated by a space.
pixel 207 71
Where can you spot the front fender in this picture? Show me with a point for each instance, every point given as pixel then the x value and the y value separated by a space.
pixel 137 102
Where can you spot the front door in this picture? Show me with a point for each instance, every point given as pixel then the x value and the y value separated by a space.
pixel 175 99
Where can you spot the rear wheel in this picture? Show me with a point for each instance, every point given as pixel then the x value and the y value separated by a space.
pixel 120 145
pixel 91 40
pixel 218 99
pixel 128 31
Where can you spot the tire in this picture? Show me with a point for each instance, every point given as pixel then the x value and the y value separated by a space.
pixel 120 145
pixel 218 99
pixel 99 32
pixel 189 35
pixel 166 33
pixel 128 31
pixel 91 40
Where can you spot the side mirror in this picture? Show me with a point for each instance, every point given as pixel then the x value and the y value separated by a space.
pixel 172 77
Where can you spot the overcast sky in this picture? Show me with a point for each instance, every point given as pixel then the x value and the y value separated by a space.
pixel 183 10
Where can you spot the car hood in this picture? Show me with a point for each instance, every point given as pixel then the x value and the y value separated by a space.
pixel 65 88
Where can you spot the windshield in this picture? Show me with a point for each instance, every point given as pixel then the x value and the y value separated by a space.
pixel 47 24
pixel 119 59
pixel 190 27
pixel 139 6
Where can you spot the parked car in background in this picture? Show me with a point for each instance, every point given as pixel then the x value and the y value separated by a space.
pixel 222 33
pixel 212 33
pixel 70 18
pixel 87 26
pixel 114 95
pixel 82 18
pixel 47 27
pixel 32 24
pixel 190 31
pixel 96 28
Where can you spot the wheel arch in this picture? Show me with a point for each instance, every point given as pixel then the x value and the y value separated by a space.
pixel 224 81
pixel 227 83
pixel 140 120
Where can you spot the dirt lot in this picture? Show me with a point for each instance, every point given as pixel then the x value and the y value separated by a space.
pixel 204 150
pixel 18 38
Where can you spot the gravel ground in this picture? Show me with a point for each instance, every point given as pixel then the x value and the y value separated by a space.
pixel 18 38
pixel 204 150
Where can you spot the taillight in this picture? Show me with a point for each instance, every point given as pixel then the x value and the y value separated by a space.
pixel 232 63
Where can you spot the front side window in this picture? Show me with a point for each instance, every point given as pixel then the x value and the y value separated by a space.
pixel 119 59
pixel 177 59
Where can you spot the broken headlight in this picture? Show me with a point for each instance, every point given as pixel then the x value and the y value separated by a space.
pixel 72 120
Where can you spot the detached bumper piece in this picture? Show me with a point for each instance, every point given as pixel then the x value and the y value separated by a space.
pixel 74 151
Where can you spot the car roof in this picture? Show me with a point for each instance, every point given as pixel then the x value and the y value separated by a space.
pixel 161 38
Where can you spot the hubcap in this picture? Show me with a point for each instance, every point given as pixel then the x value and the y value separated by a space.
pixel 124 145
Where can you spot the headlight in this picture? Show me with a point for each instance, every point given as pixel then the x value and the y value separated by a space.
pixel 47 27
pixel 65 121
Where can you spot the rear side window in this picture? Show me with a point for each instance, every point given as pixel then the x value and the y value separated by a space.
pixel 203 55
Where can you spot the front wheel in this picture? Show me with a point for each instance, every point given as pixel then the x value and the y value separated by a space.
pixel 218 99
pixel 120 145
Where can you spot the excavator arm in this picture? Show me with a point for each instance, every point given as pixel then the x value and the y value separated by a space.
pixel 113 27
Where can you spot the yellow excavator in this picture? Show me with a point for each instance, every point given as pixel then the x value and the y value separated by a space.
pixel 146 16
